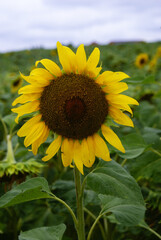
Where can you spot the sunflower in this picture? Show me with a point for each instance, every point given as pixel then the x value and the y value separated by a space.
pixel 153 62
pixel 76 104
pixel 16 84
pixel 141 60
pixel 158 52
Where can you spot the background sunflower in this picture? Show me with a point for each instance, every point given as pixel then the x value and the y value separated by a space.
pixel 141 60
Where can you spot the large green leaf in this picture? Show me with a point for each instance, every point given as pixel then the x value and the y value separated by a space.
pixel 110 178
pixel 147 166
pixel 134 146
pixel 118 191
pixel 47 233
pixel 149 114
pixel 35 188
pixel 152 138
pixel 125 212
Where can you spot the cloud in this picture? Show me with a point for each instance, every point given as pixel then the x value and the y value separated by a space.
pixel 30 23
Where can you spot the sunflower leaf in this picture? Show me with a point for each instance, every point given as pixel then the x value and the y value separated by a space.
pixel 125 212
pixel 49 233
pixel 134 146
pixel 32 189
pixel 147 166
pixel 117 191
pixel 110 178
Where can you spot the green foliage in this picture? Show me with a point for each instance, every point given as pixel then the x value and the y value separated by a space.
pixel 112 179
pixel 117 191
pixel 147 166
pixel 126 212
pixel 49 233
pixel 32 189
pixel 134 146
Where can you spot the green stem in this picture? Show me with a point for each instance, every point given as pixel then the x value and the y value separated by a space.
pixel 124 162
pixel 155 151
pixel 83 186
pixel 67 206
pixel 99 224
pixel 69 209
pixel 10 155
pixel 93 226
pixel 155 233
pixel 80 211
pixel 105 225
pixel 144 225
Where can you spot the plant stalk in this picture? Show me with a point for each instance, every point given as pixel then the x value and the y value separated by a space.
pixel 10 155
pixel 80 210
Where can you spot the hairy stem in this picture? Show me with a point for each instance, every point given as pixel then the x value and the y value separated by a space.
pixel 80 211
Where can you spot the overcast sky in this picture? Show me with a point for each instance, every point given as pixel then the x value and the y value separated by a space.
pixel 26 24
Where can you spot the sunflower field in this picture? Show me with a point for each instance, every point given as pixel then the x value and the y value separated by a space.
pixel 89 166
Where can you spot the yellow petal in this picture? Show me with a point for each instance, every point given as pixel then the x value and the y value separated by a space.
pixel 26 78
pixel 34 134
pixel 86 156
pixel 90 144
pixel 41 72
pixel 81 58
pixel 26 128
pixel 119 98
pixel 94 72
pixel 120 117
pixel 67 151
pixel 105 77
pixel 67 58
pixel 40 140
pixel 119 76
pixel 30 89
pixel 36 80
pixel 26 108
pixel 26 98
pixel 122 106
pixel 115 88
pixel 85 153
pixel 51 66
pixel 101 149
pixel 39 81
pixel 97 70
pixel 71 58
pixel 112 138
pixel 53 148
pixel 93 59
pixel 77 156
pixel 62 57
pixel 111 77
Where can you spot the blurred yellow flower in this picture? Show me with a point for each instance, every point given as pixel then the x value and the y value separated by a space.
pixel 16 84
pixel 141 60
pixel 158 52
pixel 153 63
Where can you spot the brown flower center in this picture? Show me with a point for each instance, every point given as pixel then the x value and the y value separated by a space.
pixel 142 61
pixel 74 109
pixel 16 82
pixel 73 106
